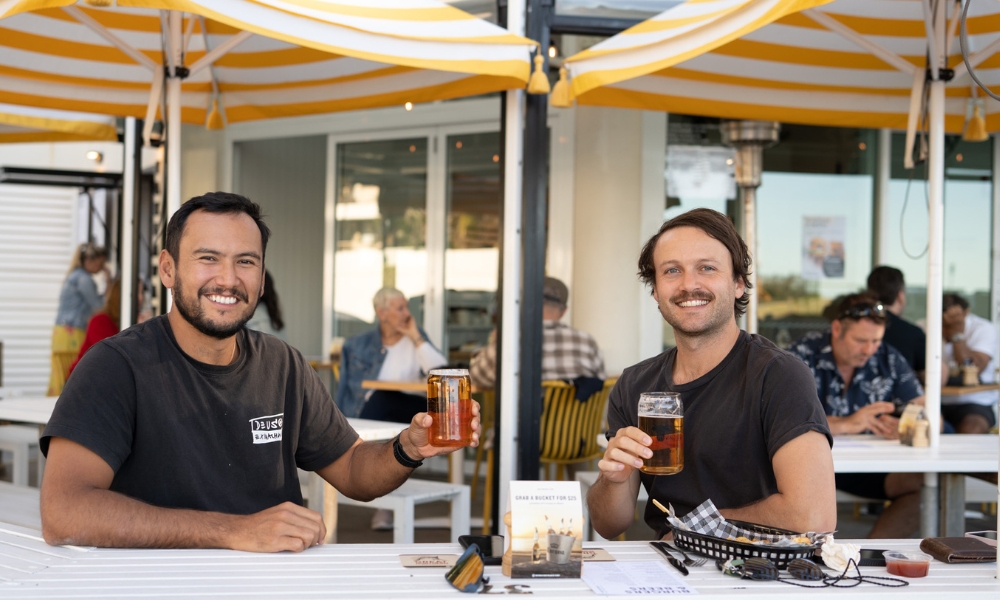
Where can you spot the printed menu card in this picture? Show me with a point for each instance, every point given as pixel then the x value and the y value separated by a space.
pixel 546 530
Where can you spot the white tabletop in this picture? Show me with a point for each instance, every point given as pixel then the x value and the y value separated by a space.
pixel 38 411
pixel 31 569
pixel 958 453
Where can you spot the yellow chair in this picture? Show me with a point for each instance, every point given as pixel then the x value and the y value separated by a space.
pixel 569 428
pixel 487 415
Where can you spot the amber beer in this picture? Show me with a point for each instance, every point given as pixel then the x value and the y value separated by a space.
pixel 661 417
pixel 449 403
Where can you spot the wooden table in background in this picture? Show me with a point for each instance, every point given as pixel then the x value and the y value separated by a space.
pixel 959 390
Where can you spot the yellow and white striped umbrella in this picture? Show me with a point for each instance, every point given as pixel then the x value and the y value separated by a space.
pixel 843 63
pixel 260 58
pixel 26 124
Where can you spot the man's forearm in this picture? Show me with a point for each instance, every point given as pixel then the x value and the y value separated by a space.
pixel 97 517
pixel 612 506
pixel 375 472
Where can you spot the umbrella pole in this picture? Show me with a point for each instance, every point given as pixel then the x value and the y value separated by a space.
pixel 128 274
pixel 174 116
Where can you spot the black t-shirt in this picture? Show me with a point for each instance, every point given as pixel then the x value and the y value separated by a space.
pixel 179 433
pixel 910 340
pixel 736 417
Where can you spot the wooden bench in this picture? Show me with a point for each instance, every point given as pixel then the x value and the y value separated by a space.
pixel 19 505
pixel 20 440
pixel 420 491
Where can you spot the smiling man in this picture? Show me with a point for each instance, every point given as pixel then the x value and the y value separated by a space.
pixel 186 431
pixel 756 441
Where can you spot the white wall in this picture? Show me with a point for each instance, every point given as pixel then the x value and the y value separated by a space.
pixel 618 189
pixel 201 161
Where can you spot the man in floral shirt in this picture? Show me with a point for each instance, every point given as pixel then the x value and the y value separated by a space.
pixel 861 382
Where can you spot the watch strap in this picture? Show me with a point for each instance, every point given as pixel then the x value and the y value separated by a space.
pixel 401 457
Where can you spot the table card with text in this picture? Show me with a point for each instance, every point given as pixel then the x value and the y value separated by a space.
pixel 546 529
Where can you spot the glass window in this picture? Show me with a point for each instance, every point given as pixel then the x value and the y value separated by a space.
pixel 381 227
pixel 472 256
pixel 814 224
pixel 968 218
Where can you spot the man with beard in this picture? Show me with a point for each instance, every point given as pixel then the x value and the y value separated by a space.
pixel 756 440
pixel 186 430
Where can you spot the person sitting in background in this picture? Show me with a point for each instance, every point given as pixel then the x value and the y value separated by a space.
pixel 104 324
pixel 858 380
pixel 969 339
pixel 567 353
pixel 269 319
pixel 396 350
pixel 78 300
pixel 888 285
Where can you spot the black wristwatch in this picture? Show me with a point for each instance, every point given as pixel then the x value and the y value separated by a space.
pixel 401 457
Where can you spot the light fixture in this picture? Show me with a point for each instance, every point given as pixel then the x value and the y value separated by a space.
pixel 959 157
pixel 458 144
pixel 496 158
pixel 553 51
pixel 408 106
pixel 413 148
pixel 975 127
pixel 729 161
pixel 862 146
pixel 95 156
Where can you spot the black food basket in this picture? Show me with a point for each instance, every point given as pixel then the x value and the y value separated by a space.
pixel 718 548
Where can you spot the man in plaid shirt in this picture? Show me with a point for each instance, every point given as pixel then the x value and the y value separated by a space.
pixel 567 353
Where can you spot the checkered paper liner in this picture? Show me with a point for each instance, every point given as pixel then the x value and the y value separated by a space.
pixel 706 519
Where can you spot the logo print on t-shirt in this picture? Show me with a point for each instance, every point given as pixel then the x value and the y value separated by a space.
pixel 267 429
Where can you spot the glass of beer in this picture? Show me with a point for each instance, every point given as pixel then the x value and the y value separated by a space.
pixel 661 417
pixel 449 403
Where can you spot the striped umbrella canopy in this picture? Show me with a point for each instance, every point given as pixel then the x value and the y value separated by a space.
pixel 254 59
pixel 26 124
pixel 851 63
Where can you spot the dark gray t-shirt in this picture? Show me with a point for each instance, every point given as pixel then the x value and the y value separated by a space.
pixel 735 418
pixel 179 433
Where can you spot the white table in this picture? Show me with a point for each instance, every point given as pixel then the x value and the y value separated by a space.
pixel 31 569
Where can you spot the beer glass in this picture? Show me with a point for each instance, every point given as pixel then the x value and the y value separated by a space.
pixel 661 417
pixel 449 403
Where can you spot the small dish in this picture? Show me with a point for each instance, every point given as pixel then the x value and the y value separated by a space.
pixel 907 564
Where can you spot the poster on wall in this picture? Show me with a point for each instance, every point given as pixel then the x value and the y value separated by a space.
pixel 823 247
pixel 700 172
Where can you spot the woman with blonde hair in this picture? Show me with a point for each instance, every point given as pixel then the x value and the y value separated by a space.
pixel 104 324
pixel 78 300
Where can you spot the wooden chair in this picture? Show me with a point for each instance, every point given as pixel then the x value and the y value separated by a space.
pixel 569 428
pixel 487 415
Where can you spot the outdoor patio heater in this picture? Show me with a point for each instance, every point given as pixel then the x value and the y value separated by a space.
pixel 750 138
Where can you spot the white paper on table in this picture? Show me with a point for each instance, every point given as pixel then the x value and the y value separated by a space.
pixel 640 578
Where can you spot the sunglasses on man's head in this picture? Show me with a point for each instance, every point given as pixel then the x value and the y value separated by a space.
pixel 863 310
pixel 467 574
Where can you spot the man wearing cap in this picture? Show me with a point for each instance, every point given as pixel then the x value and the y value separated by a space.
pixel 860 381
pixel 567 353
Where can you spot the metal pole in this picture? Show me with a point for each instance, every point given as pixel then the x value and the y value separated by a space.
pixel 510 334
pixel 174 117
pixel 533 238
pixel 128 225
pixel 750 237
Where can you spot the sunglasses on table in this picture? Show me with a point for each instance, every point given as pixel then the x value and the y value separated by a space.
pixel 801 570
pixel 467 574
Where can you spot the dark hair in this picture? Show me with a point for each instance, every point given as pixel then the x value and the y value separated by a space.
pixel 270 300
pixel 865 305
pixel 214 202
pixel 716 225
pixel 950 300
pixel 886 283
